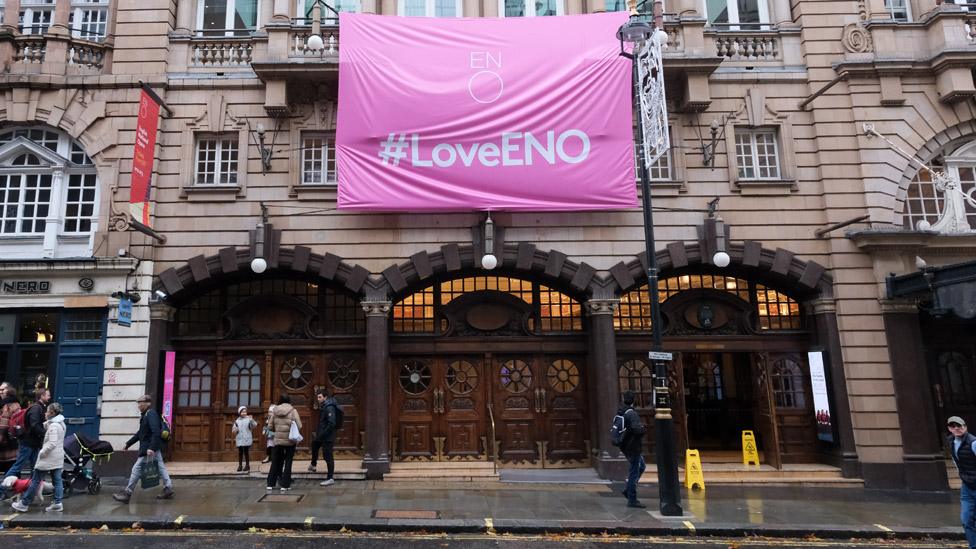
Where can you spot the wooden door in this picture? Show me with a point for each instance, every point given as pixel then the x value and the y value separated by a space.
pixel 679 414
pixel 415 401
pixel 297 375
pixel 796 425
pixel 461 408
pixel 765 411
pixel 516 405
pixel 192 409
pixel 563 413
pixel 344 378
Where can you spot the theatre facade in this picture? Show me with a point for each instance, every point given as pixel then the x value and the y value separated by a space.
pixel 793 114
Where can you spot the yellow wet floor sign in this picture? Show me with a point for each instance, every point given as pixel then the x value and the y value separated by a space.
pixel 693 471
pixel 750 455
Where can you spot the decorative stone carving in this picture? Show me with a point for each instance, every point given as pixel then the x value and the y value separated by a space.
pixel 377 308
pixel 602 306
pixel 857 38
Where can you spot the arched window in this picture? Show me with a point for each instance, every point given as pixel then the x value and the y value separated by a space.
pixel 788 386
pixel 635 375
pixel 244 383
pixel 43 172
pixel 924 202
pixel 194 384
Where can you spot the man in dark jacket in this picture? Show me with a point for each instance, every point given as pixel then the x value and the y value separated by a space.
pixel 325 434
pixel 632 447
pixel 29 443
pixel 963 445
pixel 150 442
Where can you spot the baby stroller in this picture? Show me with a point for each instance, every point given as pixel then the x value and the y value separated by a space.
pixel 79 452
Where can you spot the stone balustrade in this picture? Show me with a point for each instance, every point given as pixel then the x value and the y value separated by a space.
pixel 30 49
pixel 88 55
pixel 675 41
pixel 298 38
pixel 747 45
pixel 221 52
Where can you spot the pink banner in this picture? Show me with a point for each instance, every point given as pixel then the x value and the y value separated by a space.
pixel 143 156
pixel 521 113
pixel 169 375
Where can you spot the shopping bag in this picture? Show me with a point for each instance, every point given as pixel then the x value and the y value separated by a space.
pixel 150 473
pixel 293 434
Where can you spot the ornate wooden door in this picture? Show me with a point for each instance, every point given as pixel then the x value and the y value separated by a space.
pixel 563 412
pixel 193 406
pixel 796 425
pixel 517 404
pixel 461 408
pixel 297 374
pixel 414 403
pixel 344 378
pixel 765 411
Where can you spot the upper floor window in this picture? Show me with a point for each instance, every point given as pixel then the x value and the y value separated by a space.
pixel 429 8
pixel 227 17
pixel 44 174
pixel 89 19
pixel 660 170
pixel 36 16
pixel 757 154
pixel 924 202
pixel 530 8
pixel 318 159
pixel 735 14
pixel 304 10
pixel 216 160
pixel 899 10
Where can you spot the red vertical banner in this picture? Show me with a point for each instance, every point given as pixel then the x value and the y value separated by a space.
pixel 142 159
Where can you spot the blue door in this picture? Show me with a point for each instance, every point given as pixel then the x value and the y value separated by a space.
pixel 81 363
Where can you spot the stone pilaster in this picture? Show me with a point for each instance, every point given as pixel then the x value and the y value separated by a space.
pixel 604 385
pixel 376 460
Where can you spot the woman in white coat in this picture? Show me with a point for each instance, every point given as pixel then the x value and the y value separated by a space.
pixel 49 460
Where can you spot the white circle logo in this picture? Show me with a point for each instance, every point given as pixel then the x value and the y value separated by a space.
pixel 485 87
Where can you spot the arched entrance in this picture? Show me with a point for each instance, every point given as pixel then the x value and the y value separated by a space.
pixel 479 358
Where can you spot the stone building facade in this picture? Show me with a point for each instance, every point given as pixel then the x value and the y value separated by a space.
pixel 801 116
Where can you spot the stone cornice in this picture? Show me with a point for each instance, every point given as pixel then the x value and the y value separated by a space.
pixel 898 306
pixel 874 240
pixel 596 307
pixel 118 264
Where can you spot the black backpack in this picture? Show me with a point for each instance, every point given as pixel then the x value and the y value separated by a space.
pixel 618 430
pixel 339 416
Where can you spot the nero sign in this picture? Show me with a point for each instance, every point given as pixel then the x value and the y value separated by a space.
pixel 452 114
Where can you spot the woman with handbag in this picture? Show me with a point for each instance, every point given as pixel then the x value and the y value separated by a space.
pixel 286 425
pixel 268 432
pixel 9 405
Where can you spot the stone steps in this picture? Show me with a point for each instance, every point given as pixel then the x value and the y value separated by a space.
pixel 346 469
pixel 462 471
pixel 790 475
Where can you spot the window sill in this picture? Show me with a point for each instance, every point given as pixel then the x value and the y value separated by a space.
pixel 660 187
pixel 206 193
pixel 315 191
pixel 766 187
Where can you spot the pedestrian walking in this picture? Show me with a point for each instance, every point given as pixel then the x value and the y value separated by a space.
pixel 632 447
pixel 963 445
pixel 268 431
pixel 325 434
pixel 242 428
pixel 284 416
pixel 8 406
pixel 50 460
pixel 29 443
pixel 150 442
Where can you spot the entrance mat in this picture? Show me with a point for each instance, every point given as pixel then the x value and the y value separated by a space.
pixel 281 498
pixel 405 514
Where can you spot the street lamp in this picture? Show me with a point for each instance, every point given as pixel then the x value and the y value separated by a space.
pixel 652 136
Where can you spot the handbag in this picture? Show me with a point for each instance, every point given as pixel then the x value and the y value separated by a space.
pixel 150 473
pixel 293 434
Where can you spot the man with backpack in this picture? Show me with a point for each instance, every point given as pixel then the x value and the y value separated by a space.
pixel 27 427
pixel 150 439
pixel 330 419
pixel 627 433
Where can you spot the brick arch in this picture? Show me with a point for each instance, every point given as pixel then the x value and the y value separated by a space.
pixel 779 268
pixel 947 139
pixel 552 268
pixel 201 272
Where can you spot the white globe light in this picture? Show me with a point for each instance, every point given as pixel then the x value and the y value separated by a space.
pixel 489 261
pixel 259 265
pixel 721 259
pixel 315 43
pixel 660 38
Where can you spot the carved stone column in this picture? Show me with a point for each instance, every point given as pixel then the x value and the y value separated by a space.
pixel 605 386
pixel 376 459
pixel 186 15
pixel 160 317
pixel 923 463
pixel 825 322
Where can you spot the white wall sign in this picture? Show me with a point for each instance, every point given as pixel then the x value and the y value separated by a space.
pixel 821 403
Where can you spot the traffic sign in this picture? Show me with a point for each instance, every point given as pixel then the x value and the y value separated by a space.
pixel 658 355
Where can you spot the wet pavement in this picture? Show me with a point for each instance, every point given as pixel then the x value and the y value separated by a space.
pixel 471 507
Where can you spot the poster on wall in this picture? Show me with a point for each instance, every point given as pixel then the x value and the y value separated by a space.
pixel 821 402
pixel 169 374
pixel 143 156
pixel 464 114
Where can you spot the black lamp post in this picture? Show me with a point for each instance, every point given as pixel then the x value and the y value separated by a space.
pixel 643 35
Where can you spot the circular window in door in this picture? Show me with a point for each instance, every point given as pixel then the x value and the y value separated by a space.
pixel 563 376
pixel 516 376
pixel 462 377
pixel 414 377
pixel 343 373
pixel 296 373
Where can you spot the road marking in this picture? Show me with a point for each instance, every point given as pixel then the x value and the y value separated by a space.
pixel 884 528
pixel 179 521
pixel 6 520
pixel 489 526
pixel 689 526
pixel 308 523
